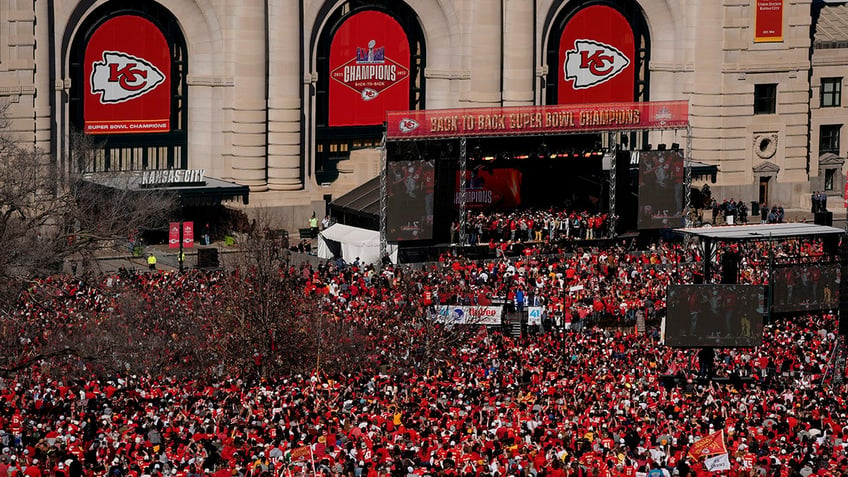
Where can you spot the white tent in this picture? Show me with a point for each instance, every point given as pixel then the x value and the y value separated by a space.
pixel 348 242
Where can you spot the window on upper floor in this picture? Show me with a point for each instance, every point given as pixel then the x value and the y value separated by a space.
pixel 765 98
pixel 831 92
pixel 829 138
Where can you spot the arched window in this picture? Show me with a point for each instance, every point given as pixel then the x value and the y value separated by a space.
pixel 371 59
pixel 128 111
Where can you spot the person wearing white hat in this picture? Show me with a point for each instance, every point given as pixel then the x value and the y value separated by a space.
pixel 32 470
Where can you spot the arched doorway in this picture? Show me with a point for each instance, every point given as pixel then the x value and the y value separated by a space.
pixel 128 97
pixel 370 58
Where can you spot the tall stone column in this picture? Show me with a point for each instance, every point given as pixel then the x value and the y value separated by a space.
pixel 485 53
pixel 284 162
pixel 41 78
pixel 706 102
pixel 518 53
pixel 248 101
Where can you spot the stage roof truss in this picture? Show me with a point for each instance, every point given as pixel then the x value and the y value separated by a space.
pixel 760 232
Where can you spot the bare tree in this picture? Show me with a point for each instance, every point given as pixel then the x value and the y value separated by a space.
pixel 47 216
pixel 263 320
pixel 421 337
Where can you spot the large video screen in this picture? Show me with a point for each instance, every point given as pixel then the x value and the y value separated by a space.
pixel 409 212
pixel 490 189
pixel 724 316
pixel 805 287
pixel 661 189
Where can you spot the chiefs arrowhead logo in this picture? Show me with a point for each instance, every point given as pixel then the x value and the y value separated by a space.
pixel 407 125
pixel 368 94
pixel 121 77
pixel 591 63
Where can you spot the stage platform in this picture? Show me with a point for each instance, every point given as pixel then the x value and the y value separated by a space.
pixel 408 253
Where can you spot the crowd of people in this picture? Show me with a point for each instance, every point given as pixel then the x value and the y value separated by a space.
pixel 532 225
pixel 736 212
pixel 588 403
pixel 556 403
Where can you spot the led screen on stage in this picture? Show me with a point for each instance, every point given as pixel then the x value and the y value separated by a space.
pixel 369 70
pixel 660 189
pixel 411 187
pixel 490 189
pixel 715 315
pixel 805 287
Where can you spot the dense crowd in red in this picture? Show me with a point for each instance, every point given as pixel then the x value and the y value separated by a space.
pixel 551 404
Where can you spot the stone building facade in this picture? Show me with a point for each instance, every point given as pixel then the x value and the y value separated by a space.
pixel 252 100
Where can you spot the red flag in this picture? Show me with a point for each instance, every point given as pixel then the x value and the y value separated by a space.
pixel 845 195
pixel 712 444
pixel 481 335
pixel 301 453
pixel 174 235
pixel 188 234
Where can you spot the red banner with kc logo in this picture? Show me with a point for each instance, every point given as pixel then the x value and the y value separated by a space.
pixel 128 74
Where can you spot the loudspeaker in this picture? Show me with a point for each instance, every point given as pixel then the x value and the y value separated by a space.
pixel 207 258
pixel 729 267
pixel 824 218
pixel 830 245
pixel 626 205
pixel 843 289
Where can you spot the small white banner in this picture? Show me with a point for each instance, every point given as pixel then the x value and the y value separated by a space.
pixel 717 462
pixel 534 315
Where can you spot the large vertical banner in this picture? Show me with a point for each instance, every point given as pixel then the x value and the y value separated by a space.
pixel 369 70
pixel 188 234
pixel 845 192
pixel 768 21
pixel 128 69
pixel 597 58
pixel 661 189
pixel 174 235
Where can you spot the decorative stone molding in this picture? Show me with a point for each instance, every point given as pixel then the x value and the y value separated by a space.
pixel 433 73
pixel 831 159
pixel 15 92
pixel 766 168
pixel 198 80
pixel 671 67
pixel 765 145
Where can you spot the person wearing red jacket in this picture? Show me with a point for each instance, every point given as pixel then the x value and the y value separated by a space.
pixel 33 470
